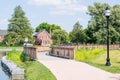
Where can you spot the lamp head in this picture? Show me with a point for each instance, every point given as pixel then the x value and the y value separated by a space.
pixel 107 12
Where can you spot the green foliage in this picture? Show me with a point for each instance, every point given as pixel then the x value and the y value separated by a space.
pixel 2 44
pixel 77 35
pixel 11 39
pixel 96 30
pixel 14 56
pixel 24 57
pixel 48 27
pixel 18 28
pixel 86 54
pixel 60 36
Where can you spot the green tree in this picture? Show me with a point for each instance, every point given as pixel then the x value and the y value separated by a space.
pixel 10 39
pixel 96 30
pixel 77 35
pixel 18 28
pixel 48 27
pixel 115 24
pixel 60 36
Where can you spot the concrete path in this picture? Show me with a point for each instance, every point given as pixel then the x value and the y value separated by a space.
pixel 65 69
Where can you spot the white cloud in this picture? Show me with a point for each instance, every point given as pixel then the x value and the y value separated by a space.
pixel 61 7
pixel 44 2
pixel 69 9
pixel 51 2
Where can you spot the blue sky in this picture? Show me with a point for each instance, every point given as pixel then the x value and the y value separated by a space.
pixel 61 12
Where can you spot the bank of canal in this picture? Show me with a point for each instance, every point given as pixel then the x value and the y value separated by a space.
pixel 3 75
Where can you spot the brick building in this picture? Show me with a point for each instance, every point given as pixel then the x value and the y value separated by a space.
pixel 2 34
pixel 43 38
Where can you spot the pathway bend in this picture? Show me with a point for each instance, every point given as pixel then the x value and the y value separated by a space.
pixel 65 69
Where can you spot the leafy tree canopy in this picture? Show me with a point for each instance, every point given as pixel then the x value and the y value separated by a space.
pixel 77 35
pixel 48 27
pixel 60 36
pixel 96 30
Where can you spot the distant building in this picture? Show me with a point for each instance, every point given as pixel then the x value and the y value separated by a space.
pixel 43 38
pixel 2 34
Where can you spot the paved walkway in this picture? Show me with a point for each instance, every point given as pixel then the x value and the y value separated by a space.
pixel 65 69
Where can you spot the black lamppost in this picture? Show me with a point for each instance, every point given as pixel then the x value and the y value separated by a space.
pixel 107 14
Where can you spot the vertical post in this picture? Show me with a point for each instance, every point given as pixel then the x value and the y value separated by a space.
pixel 107 14
pixel 26 40
pixel 108 58
pixel 25 46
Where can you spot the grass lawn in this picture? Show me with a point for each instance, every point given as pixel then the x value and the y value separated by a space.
pixel 100 59
pixel 33 70
pixel 8 48
pixel 37 71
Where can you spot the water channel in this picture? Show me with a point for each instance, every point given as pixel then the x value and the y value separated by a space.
pixel 3 75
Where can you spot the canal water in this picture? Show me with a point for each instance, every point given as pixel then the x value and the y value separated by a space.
pixel 3 75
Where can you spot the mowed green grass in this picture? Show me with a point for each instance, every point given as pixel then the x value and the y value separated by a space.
pixel 99 60
pixel 37 71
pixel 19 48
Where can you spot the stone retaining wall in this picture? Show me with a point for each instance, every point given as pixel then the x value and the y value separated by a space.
pixel 14 71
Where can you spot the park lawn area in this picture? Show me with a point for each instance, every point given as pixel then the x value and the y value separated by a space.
pixel 100 59
pixel 16 48
pixel 34 70
pixel 37 71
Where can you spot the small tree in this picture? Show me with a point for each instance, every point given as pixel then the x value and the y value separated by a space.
pixel 77 35
pixel 60 36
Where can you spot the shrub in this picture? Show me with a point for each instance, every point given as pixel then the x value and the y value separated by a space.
pixel 17 56
pixel 24 57
pixel 2 43
pixel 14 55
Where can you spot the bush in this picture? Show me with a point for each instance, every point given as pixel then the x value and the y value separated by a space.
pixel 17 56
pixel 2 43
pixel 24 57
pixel 14 55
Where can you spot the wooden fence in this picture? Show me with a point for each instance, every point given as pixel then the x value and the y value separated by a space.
pixel 91 46
pixel 32 51
pixel 63 51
